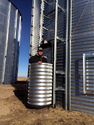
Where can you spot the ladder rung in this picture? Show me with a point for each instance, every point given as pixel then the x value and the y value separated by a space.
pixel 46 16
pixel 61 39
pixel 61 8
pixel 46 2
pixel 60 72
pixel 60 88
pixel 45 28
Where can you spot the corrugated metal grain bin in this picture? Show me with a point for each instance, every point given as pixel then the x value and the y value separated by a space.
pixel 40 84
pixel 10 32
pixel 69 26
pixel 82 56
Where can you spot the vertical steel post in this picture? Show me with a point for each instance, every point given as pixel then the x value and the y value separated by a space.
pixel 66 62
pixel 55 52
pixel 6 46
pixel 70 55
pixel 33 24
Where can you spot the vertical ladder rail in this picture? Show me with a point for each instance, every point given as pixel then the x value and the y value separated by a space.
pixel 70 29
pixel 84 73
pixel 55 52
pixel 66 62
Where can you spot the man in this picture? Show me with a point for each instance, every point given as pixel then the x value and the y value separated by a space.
pixel 38 57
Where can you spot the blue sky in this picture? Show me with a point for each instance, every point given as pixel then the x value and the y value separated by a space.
pixel 24 7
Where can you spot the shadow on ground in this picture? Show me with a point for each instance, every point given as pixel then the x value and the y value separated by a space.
pixel 21 91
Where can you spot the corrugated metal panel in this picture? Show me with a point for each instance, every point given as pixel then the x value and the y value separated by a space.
pixel 16 48
pixel 15 62
pixel 40 84
pixel 35 26
pixel 60 98
pixel 49 20
pixel 10 49
pixel 82 42
pixel 14 76
pixel 60 64
pixel 48 54
pixel 7 36
pixel 4 6
pixel 61 25
pixel 60 77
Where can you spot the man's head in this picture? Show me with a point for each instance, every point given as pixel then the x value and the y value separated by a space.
pixel 40 51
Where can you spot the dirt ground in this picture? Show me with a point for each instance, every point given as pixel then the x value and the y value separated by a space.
pixel 14 112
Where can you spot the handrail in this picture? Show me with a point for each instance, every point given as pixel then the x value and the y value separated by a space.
pixel 84 73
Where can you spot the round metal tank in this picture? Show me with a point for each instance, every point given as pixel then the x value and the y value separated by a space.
pixel 40 84
pixel 10 33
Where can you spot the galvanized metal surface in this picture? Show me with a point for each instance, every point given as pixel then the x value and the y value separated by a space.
pixel 67 56
pixel 9 48
pixel 48 52
pixel 40 84
pixel 3 35
pixel 55 52
pixel 35 27
pixel 82 44
pixel 10 27
pixel 16 49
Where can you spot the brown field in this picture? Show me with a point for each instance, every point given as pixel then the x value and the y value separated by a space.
pixel 13 110
pixel 22 79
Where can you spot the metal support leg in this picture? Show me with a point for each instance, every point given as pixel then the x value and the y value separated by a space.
pixel 66 62
pixel 55 52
